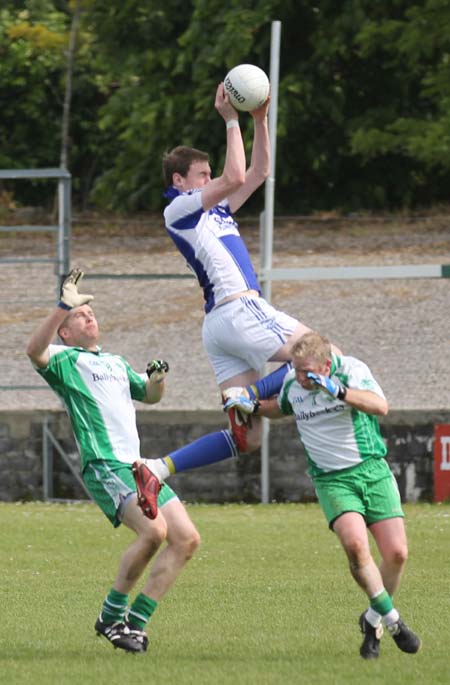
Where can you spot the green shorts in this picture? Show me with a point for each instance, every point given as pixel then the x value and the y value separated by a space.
pixel 111 483
pixel 369 488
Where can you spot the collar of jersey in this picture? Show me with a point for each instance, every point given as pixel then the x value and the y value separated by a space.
pixel 83 349
pixel 333 364
pixel 171 192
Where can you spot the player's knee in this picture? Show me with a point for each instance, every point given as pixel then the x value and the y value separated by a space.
pixel 357 552
pixel 193 543
pixel 155 533
pixel 398 556
pixel 252 445
pixel 187 544
pixel 254 435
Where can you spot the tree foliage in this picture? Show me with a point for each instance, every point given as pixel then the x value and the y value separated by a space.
pixel 31 59
pixel 363 111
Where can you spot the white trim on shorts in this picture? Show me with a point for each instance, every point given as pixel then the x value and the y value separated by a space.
pixel 126 501
pixel 244 334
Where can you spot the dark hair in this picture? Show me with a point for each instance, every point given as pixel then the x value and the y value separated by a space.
pixel 179 161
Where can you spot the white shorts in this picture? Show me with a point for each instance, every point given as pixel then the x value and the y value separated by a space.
pixel 244 334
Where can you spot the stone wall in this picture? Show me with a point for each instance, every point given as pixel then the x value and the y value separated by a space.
pixel 409 437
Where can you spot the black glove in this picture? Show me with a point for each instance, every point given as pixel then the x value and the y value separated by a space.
pixel 156 370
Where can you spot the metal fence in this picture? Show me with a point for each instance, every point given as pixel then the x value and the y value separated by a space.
pixel 267 275
pixel 61 229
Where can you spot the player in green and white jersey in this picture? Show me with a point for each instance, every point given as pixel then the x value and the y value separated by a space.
pixel 97 390
pixel 335 401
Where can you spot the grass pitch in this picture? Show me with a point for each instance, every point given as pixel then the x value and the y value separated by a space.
pixel 267 600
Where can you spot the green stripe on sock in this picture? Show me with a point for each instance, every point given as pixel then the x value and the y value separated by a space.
pixel 141 610
pixel 114 606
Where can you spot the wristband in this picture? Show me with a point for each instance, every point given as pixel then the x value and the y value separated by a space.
pixel 63 305
pixel 342 392
pixel 233 123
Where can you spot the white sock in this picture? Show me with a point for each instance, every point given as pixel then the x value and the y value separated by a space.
pixel 373 617
pixel 391 618
pixel 159 468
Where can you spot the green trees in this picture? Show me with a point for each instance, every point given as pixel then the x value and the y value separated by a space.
pixel 364 96
pixel 414 124
pixel 33 45
pixel 364 105
pixel 166 63
pixel 30 94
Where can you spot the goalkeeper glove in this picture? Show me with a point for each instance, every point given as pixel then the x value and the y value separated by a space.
pixel 238 398
pixel 156 370
pixel 333 388
pixel 70 297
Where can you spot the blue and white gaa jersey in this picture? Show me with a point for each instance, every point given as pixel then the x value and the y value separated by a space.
pixel 335 435
pixel 212 246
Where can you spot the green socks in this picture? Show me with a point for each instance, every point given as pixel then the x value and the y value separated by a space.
pixel 381 603
pixel 114 607
pixel 141 610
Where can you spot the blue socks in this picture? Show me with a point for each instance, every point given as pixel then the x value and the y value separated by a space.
pixel 269 385
pixel 206 450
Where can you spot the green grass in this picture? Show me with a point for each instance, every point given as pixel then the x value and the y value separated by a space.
pixel 267 600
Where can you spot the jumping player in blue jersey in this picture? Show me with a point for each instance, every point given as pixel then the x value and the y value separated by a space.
pixel 241 330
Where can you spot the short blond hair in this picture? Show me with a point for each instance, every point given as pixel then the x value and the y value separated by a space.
pixel 314 345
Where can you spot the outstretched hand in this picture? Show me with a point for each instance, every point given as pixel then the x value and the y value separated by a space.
pixel 70 297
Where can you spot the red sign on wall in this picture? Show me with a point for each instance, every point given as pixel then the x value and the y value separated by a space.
pixel 441 462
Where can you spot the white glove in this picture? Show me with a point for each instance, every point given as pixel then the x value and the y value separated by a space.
pixel 242 404
pixel 238 398
pixel 70 297
pixel 232 393
pixel 333 388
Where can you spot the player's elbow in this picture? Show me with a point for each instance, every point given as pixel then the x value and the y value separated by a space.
pixel 264 173
pixel 259 175
pixel 235 180
pixel 383 408
pixel 32 353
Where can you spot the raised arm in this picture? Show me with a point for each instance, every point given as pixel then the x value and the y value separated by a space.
pixel 37 348
pixel 233 174
pixel 259 168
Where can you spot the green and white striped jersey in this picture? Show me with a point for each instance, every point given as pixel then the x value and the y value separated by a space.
pixel 97 390
pixel 335 435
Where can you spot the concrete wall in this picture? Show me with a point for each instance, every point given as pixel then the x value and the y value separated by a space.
pixel 409 437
